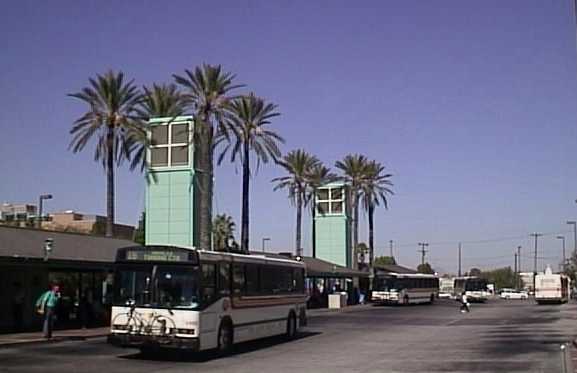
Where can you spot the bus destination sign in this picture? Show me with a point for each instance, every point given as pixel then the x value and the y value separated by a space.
pixel 158 255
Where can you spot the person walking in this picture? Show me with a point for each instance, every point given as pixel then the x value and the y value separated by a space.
pixel 46 306
pixel 464 303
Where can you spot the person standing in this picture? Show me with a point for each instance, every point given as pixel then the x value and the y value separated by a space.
pixel 46 306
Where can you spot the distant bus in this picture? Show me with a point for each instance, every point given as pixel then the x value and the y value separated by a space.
pixel 474 287
pixel 193 299
pixel 551 287
pixel 402 288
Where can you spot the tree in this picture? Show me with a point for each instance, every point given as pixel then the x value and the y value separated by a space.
pixel 501 277
pixel 207 90
pixel 374 189
pixel 425 268
pixel 353 167
pixel 475 272
pixel 159 101
pixel 318 176
pixel 140 232
pixel 384 260
pixel 248 123
pixel 298 164
pixel 223 232
pixel 111 117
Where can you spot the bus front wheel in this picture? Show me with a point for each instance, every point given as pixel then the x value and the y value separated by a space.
pixel 225 338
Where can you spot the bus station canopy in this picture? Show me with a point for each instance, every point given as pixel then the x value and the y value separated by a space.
pixel 320 268
pixel 25 244
pixel 393 268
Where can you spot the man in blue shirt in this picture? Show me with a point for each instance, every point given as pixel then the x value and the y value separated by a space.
pixel 46 305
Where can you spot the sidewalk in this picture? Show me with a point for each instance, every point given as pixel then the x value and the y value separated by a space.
pixel 7 340
pixel 326 311
pixel 57 336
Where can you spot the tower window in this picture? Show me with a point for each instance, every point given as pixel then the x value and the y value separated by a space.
pixel 330 201
pixel 169 145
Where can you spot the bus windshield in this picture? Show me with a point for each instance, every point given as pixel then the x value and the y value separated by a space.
pixel 476 285
pixel 158 286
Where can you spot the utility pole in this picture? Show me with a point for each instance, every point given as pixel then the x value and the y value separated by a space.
pixel 459 259
pixel 536 235
pixel 574 224
pixel 516 270
pixel 423 251
pixel 562 238
pixel 391 248
pixel 519 262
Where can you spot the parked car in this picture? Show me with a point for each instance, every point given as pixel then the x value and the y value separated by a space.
pixel 513 294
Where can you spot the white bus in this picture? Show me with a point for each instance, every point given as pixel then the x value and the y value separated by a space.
pixel 474 287
pixel 193 299
pixel 404 288
pixel 551 287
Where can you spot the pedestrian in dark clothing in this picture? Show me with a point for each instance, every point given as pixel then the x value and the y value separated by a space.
pixel 46 306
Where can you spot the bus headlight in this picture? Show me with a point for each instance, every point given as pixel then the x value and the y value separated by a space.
pixel 182 331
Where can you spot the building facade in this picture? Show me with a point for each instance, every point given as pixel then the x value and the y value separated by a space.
pixel 332 225
pixel 71 221
pixel 171 202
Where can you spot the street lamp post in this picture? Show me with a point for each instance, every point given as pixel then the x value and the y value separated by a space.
pixel 39 217
pixel 562 238
pixel 574 224
pixel 263 241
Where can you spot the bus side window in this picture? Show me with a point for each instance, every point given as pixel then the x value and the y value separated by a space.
pixel 299 280
pixel 208 283
pixel 238 279
pixel 224 279
pixel 252 279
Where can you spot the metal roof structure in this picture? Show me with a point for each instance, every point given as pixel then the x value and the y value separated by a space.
pixel 28 243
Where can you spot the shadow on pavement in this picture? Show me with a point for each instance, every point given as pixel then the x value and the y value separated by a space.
pixel 204 356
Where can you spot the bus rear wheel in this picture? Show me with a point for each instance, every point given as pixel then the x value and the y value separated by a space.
pixel 291 326
pixel 225 338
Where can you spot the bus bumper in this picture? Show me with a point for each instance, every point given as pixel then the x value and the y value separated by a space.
pixel 139 341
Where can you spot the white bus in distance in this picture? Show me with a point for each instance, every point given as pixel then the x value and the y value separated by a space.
pixel 184 298
pixel 404 288
pixel 474 287
pixel 552 287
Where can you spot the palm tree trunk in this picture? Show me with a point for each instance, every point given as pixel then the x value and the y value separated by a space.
pixel 371 234
pixel 355 229
pixel 205 194
pixel 314 232
pixel 110 181
pixel 299 218
pixel 244 244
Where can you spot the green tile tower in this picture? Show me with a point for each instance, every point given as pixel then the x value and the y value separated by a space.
pixel 332 224
pixel 170 188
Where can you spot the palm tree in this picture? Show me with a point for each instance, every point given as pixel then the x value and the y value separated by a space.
pixel 318 176
pixel 162 100
pixel 206 91
pixel 223 232
pixel 111 117
pixel 374 190
pixel 248 122
pixel 298 165
pixel 353 167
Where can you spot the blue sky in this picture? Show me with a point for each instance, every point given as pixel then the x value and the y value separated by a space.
pixel 470 104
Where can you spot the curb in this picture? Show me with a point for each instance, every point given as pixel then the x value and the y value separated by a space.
pixel 52 340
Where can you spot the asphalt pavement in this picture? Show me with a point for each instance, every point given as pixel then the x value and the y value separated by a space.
pixel 499 336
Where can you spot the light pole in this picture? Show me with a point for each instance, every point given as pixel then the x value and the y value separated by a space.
pixel 574 224
pixel 39 217
pixel 536 236
pixel 423 251
pixel 263 241
pixel 562 238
